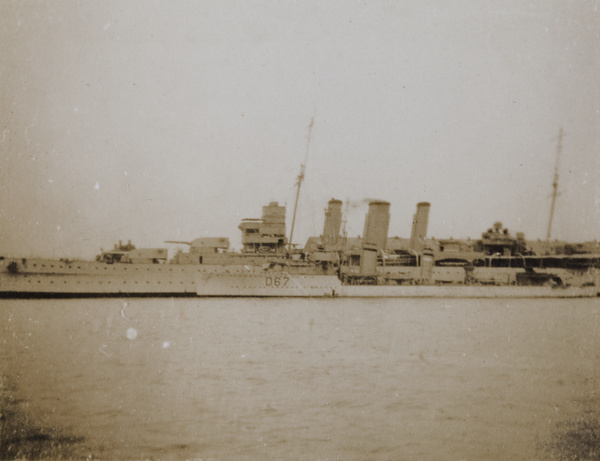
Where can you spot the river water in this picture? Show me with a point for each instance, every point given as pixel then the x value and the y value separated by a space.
pixel 307 379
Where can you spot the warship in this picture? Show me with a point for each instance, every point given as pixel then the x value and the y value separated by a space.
pixel 331 265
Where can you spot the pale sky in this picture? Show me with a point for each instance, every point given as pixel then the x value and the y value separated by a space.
pixel 172 120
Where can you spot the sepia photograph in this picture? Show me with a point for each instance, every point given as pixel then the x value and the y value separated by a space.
pixel 300 230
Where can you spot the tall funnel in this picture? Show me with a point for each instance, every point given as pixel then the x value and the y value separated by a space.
pixel 333 221
pixel 375 238
pixel 419 227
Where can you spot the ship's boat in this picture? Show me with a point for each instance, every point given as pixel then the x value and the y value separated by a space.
pixel 332 265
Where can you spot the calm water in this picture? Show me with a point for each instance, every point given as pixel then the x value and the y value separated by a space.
pixel 260 379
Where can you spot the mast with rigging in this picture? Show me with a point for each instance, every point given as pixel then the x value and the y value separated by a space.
pixel 299 182
pixel 555 184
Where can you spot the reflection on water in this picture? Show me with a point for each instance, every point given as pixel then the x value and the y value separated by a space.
pixel 307 379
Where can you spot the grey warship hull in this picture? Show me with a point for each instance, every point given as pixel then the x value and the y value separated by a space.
pixel 45 278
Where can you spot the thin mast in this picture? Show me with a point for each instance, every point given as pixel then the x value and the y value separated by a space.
pixel 555 184
pixel 299 182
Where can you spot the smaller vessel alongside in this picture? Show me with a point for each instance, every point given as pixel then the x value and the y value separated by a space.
pixel 497 266
pixel 284 284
